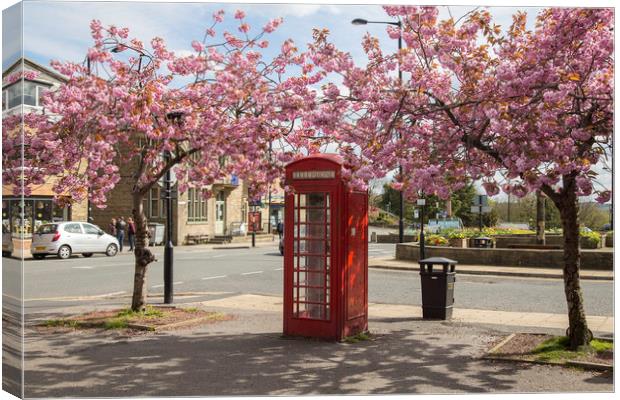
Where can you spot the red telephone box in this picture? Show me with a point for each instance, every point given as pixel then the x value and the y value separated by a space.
pixel 325 251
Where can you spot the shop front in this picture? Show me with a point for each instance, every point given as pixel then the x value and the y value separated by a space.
pixel 22 217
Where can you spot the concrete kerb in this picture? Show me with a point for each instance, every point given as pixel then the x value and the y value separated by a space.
pixel 398 265
pixel 495 354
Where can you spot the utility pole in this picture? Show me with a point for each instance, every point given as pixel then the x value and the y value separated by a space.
pixel 422 203
pixel 169 248
pixel 508 211
pixel 401 219
pixel 540 217
pixel 175 117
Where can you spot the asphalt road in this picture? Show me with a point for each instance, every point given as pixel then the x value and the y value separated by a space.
pixel 259 271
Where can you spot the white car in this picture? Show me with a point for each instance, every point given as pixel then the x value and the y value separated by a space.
pixel 66 238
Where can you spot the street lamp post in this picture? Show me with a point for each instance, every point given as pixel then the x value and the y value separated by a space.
pixel 169 248
pixel 269 200
pixel 361 21
pixel 175 116
pixel 422 203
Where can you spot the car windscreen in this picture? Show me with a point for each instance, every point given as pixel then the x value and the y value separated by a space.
pixel 47 228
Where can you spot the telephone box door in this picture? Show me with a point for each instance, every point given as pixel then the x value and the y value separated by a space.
pixel 309 265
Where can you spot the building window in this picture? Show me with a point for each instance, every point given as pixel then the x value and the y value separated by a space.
pixel 223 160
pixel 154 197
pixel 40 92
pixel 197 205
pixel 153 204
pixel 15 94
pixel 31 91
pixel 244 210
pixel 23 217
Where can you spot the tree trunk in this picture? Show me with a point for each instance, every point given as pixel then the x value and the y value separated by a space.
pixel 540 217
pixel 578 331
pixel 142 254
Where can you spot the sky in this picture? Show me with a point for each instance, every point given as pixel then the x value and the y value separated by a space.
pixel 59 30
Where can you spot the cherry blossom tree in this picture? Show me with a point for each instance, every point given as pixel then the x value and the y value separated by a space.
pixel 519 111
pixel 123 109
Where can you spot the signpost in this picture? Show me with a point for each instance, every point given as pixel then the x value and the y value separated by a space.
pixel 422 203
pixel 481 206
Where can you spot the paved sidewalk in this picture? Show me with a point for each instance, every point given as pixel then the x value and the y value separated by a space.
pixel 598 324
pixel 248 356
pixel 392 263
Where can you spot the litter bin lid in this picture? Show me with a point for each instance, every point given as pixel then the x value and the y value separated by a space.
pixel 437 260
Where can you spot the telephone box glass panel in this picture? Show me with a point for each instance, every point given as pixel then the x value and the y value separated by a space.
pixel 311 254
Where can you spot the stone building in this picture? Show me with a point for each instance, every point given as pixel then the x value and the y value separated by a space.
pixel 195 219
pixel 23 84
pixel 222 216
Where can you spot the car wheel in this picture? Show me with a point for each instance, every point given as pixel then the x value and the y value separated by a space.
pixel 111 250
pixel 64 252
pixel 87 255
pixel 6 254
pixel 38 256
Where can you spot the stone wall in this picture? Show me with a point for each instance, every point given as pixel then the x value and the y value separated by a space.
pixel 503 241
pixel 393 238
pixel 602 260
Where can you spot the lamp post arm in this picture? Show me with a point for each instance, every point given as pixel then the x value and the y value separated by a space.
pixel 385 22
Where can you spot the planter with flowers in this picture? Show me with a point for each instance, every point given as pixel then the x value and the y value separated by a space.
pixel 457 239
pixel 436 240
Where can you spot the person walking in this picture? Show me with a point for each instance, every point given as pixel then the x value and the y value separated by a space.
pixel 280 229
pixel 120 232
pixel 112 227
pixel 131 233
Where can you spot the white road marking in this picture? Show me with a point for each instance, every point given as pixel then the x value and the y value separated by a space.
pixel 220 255
pixel 278 269
pixel 66 298
pixel 157 286
pixel 109 294
pixel 213 277
pixel 82 267
pixel 252 273
pixel 177 283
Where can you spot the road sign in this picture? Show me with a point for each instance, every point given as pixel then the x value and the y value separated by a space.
pixel 416 214
pixel 480 209
pixel 173 194
pixel 481 200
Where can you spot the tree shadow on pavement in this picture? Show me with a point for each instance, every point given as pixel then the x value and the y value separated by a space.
pixel 81 364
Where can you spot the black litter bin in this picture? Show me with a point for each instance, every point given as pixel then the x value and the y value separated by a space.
pixel 438 276
pixel 483 242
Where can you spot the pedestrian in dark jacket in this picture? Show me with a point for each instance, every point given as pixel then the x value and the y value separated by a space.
pixel 280 229
pixel 112 227
pixel 131 233
pixel 120 232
